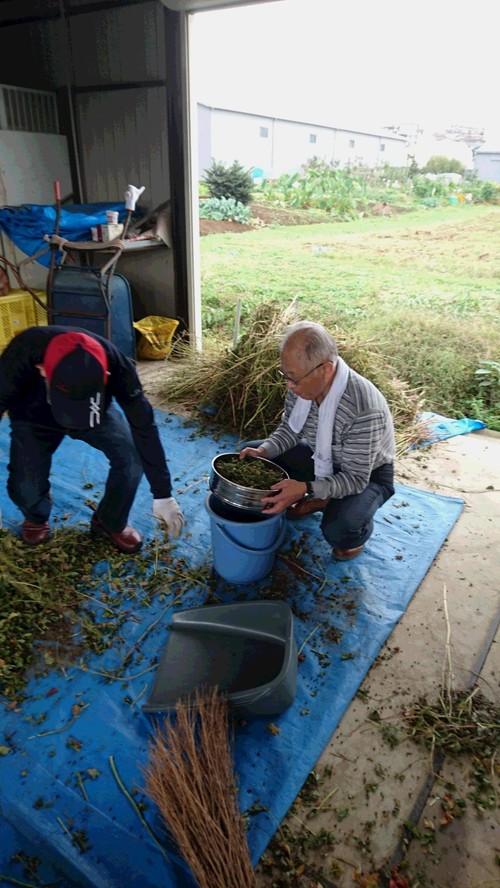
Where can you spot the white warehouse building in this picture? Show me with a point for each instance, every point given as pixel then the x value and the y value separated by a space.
pixel 275 145
pixel 487 163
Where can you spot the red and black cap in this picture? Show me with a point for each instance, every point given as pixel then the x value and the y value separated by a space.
pixel 76 367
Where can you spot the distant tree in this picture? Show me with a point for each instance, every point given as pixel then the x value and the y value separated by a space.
pixel 413 169
pixel 229 181
pixel 439 164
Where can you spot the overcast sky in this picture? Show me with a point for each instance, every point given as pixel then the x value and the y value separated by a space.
pixel 361 64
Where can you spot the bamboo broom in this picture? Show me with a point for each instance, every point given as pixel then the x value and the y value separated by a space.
pixel 190 776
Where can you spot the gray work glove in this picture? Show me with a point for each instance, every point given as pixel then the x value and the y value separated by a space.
pixel 169 511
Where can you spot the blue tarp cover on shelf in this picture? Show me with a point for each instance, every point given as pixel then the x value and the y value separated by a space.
pixel 28 224
pixel 350 608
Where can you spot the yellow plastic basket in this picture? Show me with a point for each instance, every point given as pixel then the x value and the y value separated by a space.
pixel 155 343
pixel 18 311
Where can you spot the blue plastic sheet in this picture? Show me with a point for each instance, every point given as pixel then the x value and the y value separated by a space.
pixel 442 427
pixel 28 224
pixel 343 615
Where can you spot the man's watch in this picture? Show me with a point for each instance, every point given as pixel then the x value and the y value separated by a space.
pixel 309 490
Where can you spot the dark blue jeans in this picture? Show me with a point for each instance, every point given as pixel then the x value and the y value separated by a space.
pixel 348 522
pixel 31 450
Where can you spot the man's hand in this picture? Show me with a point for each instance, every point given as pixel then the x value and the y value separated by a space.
pixel 169 511
pixel 288 492
pixel 253 451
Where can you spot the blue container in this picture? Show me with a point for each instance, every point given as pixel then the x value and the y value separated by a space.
pixel 78 290
pixel 243 544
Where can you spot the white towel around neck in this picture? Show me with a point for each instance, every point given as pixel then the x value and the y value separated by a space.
pixel 323 464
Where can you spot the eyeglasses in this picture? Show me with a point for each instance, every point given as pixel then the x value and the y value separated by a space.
pixel 297 381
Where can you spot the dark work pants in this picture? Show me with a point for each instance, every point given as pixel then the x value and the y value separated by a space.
pixel 348 522
pixel 31 450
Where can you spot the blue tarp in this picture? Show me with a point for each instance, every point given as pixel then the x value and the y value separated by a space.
pixel 347 611
pixel 28 224
pixel 442 427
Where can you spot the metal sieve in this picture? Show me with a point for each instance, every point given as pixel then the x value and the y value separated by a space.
pixel 247 498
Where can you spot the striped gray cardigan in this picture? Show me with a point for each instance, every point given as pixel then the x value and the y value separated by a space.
pixel 363 437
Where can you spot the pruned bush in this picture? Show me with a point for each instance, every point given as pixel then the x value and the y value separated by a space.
pixel 229 181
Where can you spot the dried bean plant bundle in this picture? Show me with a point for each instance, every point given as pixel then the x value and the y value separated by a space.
pixel 190 776
pixel 241 386
pixel 244 392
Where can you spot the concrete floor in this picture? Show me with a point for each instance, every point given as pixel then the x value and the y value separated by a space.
pixel 370 788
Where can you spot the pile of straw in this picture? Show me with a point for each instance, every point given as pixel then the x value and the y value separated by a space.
pixel 190 776
pixel 244 393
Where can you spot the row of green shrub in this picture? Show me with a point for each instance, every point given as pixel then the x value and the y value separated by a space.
pixel 344 193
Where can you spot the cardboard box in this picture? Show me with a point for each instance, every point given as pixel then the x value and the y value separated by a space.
pixel 105 233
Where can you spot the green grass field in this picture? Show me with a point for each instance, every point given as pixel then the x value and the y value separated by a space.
pixel 421 286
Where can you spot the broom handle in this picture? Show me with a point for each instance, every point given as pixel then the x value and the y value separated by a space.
pixel 57 195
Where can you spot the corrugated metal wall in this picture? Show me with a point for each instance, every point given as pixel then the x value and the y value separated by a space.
pixel 123 135
pixel 487 166
pixel 120 101
pixel 125 44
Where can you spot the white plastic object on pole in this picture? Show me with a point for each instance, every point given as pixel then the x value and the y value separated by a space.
pixel 132 195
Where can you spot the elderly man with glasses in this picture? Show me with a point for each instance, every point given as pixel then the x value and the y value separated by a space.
pixel 335 440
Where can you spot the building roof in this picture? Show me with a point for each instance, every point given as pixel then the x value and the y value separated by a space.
pixel 488 148
pixel 383 135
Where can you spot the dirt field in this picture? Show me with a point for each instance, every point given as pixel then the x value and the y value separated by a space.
pixel 264 216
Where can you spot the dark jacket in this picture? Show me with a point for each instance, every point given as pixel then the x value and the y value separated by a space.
pixel 23 394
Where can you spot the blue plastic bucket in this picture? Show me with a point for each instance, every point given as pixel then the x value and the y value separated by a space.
pixel 243 544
